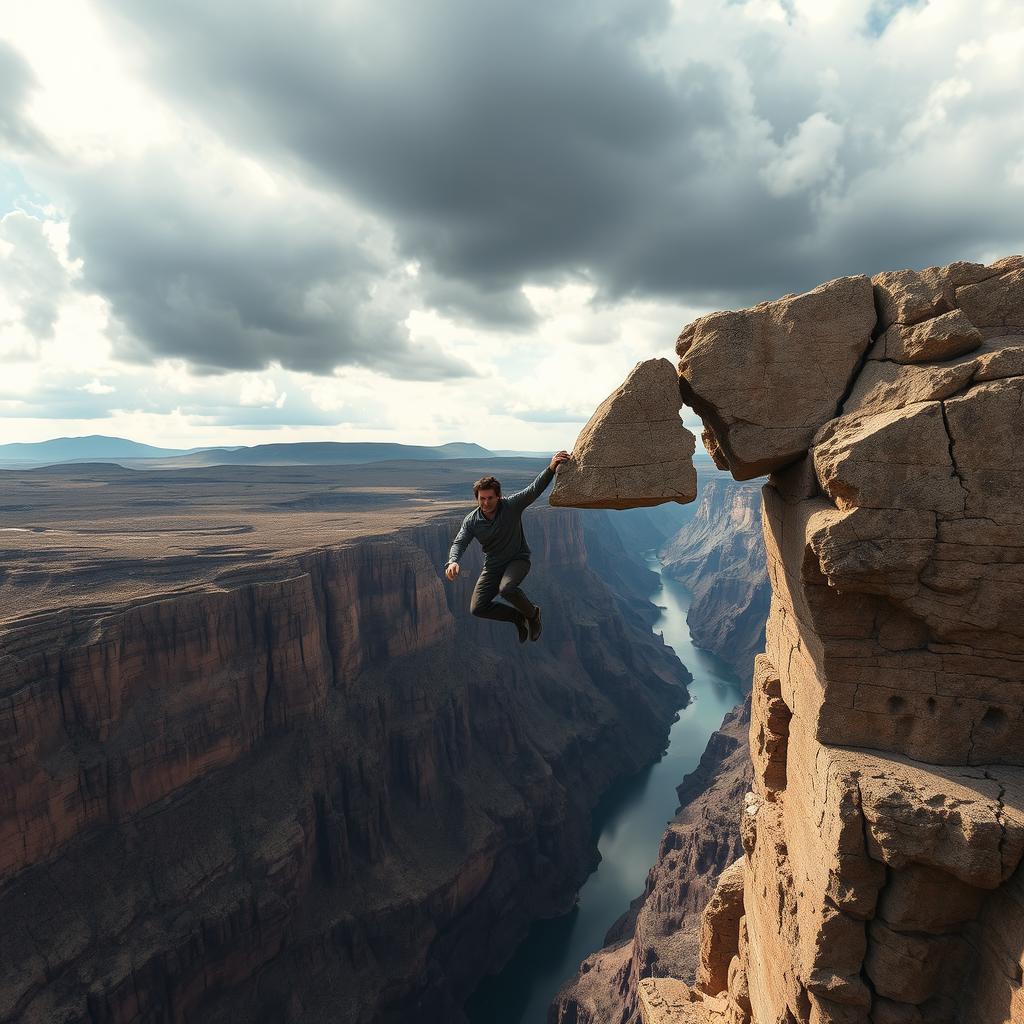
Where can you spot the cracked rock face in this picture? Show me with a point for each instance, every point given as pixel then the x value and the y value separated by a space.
pixel 764 379
pixel 634 451
pixel 884 834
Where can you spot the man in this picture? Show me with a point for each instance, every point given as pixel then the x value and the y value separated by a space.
pixel 497 523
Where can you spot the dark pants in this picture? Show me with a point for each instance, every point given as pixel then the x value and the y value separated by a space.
pixel 502 581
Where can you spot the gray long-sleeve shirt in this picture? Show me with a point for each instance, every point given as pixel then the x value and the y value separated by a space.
pixel 502 537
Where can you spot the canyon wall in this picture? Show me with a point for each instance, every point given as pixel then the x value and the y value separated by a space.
pixel 317 791
pixel 719 556
pixel 880 879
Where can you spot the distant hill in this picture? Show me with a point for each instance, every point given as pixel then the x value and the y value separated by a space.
pixel 135 455
pixel 95 448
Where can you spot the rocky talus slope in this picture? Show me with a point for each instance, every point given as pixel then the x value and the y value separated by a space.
pixel 881 876
pixel 719 555
pixel 313 790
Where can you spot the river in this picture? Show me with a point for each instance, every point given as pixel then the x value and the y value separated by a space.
pixel 629 822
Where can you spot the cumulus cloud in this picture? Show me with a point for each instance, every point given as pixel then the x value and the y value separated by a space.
pixel 33 280
pixel 807 158
pixel 17 133
pixel 198 265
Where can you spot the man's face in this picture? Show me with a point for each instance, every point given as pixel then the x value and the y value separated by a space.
pixel 487 499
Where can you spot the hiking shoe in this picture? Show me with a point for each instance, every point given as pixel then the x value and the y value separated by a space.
pixel 522 629
pixel 535 624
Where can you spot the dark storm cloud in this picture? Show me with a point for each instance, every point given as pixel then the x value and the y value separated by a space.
pixel 504 142
pixel 16 84
pixel 200 269
pixel 508 143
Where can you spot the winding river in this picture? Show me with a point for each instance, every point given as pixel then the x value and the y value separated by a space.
pixel 629 822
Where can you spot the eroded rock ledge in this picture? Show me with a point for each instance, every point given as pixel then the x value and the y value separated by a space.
pixel 883 835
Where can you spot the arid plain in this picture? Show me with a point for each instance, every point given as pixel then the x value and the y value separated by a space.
pixel 80 535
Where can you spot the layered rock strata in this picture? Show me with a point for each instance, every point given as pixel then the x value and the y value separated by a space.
pixel 315 791
pixel 634 451
pixel 884 832
pixel 719 555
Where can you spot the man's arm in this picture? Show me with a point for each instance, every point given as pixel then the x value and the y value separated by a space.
pixel 528 495
pixel 461 542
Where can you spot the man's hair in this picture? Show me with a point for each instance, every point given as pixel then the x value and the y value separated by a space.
pixel 487 483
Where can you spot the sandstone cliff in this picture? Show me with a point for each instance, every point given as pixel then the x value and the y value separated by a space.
pixel 309 789
pixel 719 555
pixel 880 880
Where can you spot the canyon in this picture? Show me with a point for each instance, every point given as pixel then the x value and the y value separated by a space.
pixel 381 799
pixel 719 555
pixel 259 764
pixel 660 933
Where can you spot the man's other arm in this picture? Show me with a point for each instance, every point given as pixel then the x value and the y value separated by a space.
pixel 461 542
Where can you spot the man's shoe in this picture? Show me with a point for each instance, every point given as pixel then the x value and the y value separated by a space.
pixel 535 624
pixel 522 629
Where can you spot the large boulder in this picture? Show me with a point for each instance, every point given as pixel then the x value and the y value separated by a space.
pixel 634 451
pixel 764 379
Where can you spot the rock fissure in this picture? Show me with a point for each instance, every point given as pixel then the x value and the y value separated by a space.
pixel 952 455
pixel 849 387
pixel 1001 818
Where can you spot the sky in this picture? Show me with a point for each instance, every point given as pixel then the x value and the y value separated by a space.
pixel 242 223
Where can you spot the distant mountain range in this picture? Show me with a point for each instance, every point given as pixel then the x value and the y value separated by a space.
pixel 318 453
pixel 133 454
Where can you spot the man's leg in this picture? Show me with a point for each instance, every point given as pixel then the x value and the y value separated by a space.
pixel 509 589
pixel 486 590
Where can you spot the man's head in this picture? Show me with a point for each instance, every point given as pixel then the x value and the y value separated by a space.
pixel 487 491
